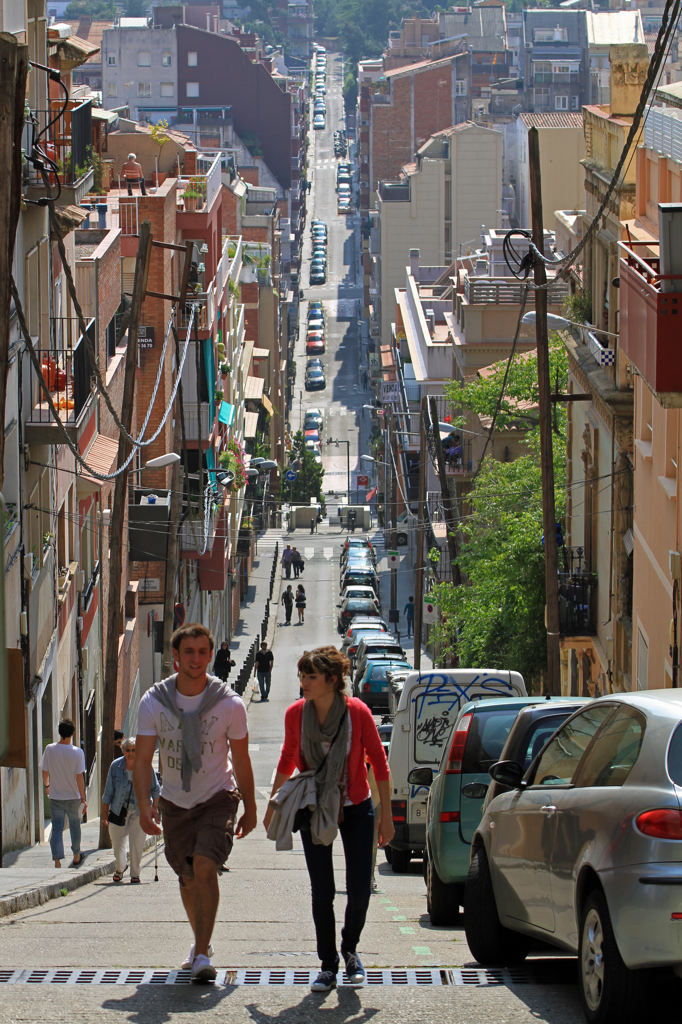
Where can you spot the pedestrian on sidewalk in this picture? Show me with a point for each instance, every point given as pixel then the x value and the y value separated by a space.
pixel 286 561
pixel 63 767
pixel 332 733
pixel 408 612
pixel 297 563
pixel 288 602
pixel 193 716
pixel 300 603
pixel 121 813
pixel 265 659
pixel 118 740
pixel 223 662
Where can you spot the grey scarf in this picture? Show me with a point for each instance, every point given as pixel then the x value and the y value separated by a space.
pixel 190 722
pixel 325 817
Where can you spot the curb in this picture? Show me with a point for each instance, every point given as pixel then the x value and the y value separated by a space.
pixel 42 894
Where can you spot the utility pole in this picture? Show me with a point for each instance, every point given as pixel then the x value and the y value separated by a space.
pixel 545 408
pixel 393 614
pixel 13 71
pixel 449 503
pixel 118 514
pixel 172 548
pixel 419 596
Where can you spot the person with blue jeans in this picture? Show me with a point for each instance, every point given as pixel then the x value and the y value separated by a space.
pixel 119 796
pixel 265 659
pixel 63 767
pixel 334 735
pixel 409 616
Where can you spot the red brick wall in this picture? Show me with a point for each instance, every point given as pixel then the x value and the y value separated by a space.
pixel 250 174
pixel 231 208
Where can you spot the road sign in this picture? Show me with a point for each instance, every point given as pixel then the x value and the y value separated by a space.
pixel 390 391
pixel 393 557
pixel 290 476
pixel 430 613
pixel 363 481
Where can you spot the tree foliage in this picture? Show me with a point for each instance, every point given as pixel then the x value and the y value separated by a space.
pixel 99 10
pixel 308 482
pixel 496 620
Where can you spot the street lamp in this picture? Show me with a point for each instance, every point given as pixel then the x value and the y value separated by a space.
pixel 168 459
pixel 559 323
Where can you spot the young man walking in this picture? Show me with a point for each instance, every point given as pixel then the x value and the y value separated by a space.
pixel 63 767
pixel 409 616
pixel 193 715
pixel 288 602
pixel 287 555
pixel 265 659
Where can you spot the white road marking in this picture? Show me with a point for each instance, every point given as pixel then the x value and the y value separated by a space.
pixel 309 552
pixel 254 746
pixel 328 553
pixel 273 776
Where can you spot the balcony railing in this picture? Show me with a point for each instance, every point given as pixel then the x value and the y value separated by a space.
pixel 202 188
pixel 502 290
pixel 650 319
pixel 191 411
pixel 67 140
pixel 577 590
pixel 66 370
pixel 125 215
pixel 458 455
pixel 201 318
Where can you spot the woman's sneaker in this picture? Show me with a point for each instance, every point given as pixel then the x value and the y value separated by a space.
pixel 203 969
pixel 324 982
pixel 355 972
pixel 189 960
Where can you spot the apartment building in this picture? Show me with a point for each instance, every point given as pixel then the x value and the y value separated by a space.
pixel 606 29
pixel 555 64
pixel 649 339
pixel 562 147
pixel 438 205
pixel 404 109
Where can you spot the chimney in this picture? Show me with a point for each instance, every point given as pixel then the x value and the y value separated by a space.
pixel 431 321
pixel 414 263
pixel 215 23
pixel 208 22
pixel 629 66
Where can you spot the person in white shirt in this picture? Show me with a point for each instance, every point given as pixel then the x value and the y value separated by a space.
pixel 193 716
pixel 63 767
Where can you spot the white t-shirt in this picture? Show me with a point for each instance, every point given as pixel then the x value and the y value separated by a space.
pixel 64 762
pixel 226 720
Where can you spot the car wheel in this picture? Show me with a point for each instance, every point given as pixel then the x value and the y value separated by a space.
pixel 388 851
pixel 489 941
pixel 609 990
pixel 400 861
pixel 443 899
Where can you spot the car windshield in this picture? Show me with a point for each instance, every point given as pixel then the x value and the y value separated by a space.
pixel 487 735
pixel 378 672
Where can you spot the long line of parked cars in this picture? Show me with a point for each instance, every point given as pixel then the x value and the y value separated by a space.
pixel 319 109
pixel 318 261
pixel 549 819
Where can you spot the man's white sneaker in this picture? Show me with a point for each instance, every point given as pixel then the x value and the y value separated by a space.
pixel 203 969
pixel 189 959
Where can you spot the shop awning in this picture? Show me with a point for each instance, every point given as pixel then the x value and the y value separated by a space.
pixel 250 424
pixel 254 389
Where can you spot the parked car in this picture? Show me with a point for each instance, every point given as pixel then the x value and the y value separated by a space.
pixel 314 378
pixel 364 577
pixel 352 607
pixel 319 122
pixel 355 634
pixel 372 687
pixel 380 647
pixel 585 852
pixel 428 708
pixel 356 544
pixel 385 730
pixel 314 346
pixel 360 591
pixel 312 435
pixel 315 324
pixel 314 416
pixel 317 275
pixel 481 735
pixel 315 308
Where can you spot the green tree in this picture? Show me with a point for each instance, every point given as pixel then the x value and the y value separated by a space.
pixel 99 10
pixel 350 91
pixel 496 619
pixel 308 482
pixel 135 8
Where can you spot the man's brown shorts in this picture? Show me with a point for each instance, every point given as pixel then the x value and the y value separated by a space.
pixel 206 830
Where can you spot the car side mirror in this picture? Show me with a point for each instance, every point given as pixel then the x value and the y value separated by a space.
pixel 508 773
pixel 475 790
pixel 420 777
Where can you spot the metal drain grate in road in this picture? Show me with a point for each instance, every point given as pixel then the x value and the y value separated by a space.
pixel 467 977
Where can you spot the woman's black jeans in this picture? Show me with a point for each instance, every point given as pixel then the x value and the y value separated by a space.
pixel 357 835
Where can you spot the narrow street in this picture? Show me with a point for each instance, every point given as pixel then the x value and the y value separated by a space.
pixel 110 952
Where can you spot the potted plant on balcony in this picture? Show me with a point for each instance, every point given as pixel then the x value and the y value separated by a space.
pixel 190 197
pixel 160 137
pixel 198 185
pixel 225 369
pixel 218 396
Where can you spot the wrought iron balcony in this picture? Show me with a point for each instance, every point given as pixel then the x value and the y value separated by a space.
pixel 66 370
pixel 577 592
pixel 66 138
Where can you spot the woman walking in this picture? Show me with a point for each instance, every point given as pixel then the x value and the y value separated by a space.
pixel 120 812
pixel 332 734
pixel 300 603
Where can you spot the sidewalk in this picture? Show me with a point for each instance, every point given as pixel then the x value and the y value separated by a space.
pixel 29 877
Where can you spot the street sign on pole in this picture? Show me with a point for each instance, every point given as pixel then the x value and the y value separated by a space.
pixel 393 557
pixel 363 481
pixel 430 612
pixel 290 475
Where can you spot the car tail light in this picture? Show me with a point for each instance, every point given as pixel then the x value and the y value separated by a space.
pixel 449 816
pixel 352 650
pixel 399 810
pixel 662 823
pixel 459 739
pixel 367 688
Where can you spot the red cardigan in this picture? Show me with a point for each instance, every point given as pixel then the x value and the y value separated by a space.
pixel 365 742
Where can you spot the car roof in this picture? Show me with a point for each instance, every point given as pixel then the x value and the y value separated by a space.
pixel 503 703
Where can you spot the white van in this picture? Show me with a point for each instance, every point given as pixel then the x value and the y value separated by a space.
pixel 427 708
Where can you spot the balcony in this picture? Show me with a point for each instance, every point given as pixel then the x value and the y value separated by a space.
pixel 459 456
pixel 199 527
pixel 67 140
pixel 649 332
pixel 502 290
pixel 198 191
pixel 577 592
pixel 66 369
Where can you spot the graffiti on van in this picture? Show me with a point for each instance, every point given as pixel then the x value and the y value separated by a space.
pixel 438 704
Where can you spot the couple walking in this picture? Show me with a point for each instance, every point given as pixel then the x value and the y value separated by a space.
pixel 292 559
pixel 289 599
pixel 328 737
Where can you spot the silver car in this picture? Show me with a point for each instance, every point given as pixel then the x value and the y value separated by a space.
pixel 585 851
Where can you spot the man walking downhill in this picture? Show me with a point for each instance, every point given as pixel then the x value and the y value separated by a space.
pixel 193 715
pixel 408 612
pixel 265 659
pixel 63 767
pixel 288 602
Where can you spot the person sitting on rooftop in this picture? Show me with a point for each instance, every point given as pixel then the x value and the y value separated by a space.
pixel 132 173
